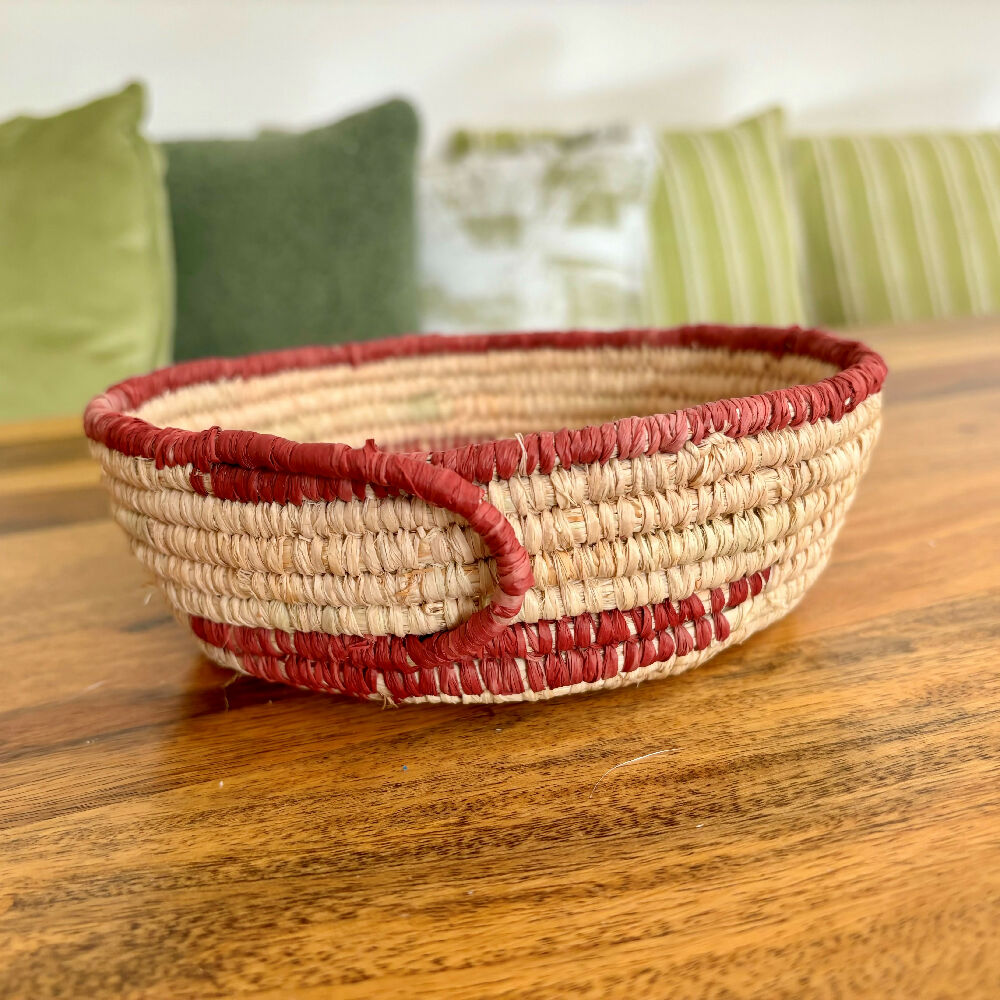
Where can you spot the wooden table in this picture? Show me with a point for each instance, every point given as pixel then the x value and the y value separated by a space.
pixel 827 822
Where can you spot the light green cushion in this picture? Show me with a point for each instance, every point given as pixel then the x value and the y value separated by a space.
pixel 721 226
pixel 85 271
pixel 534 230
pixel 290 239
pixel 900 227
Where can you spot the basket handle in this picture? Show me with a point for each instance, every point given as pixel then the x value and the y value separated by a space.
pixel 434 484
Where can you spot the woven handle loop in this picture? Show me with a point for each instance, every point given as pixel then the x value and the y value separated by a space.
pixel 442 487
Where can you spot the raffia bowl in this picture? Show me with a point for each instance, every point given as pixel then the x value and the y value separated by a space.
pixel 478 552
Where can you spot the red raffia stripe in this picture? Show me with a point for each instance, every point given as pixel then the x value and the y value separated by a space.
pixel 557 654
pixel 251 467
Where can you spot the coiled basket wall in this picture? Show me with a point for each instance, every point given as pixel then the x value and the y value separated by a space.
pixel 480 551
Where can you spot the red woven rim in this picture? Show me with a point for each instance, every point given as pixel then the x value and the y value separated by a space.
pixel 289 472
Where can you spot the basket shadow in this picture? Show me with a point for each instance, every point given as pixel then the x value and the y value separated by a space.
pixel 361 762
pixel 294 810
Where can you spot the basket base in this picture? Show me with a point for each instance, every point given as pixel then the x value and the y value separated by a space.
pixel 523 679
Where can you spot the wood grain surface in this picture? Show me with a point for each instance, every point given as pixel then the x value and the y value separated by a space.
pixel 826 823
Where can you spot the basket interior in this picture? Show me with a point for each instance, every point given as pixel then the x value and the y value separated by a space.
pixel 438 401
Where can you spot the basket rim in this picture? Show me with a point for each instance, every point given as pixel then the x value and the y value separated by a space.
pixel 861 374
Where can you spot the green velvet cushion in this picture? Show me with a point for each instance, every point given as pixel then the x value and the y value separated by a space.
pixel 287 240
pixel 900 227
pixel 721 227
pixel 85 264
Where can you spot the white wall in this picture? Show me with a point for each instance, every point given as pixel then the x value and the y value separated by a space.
pixel 228 66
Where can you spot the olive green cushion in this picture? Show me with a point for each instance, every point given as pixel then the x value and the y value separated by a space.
pixel 722 237
pixel 900 227
pixel 85 264
pixel 287 240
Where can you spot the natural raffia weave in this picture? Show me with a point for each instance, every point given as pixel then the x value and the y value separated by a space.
pixel 469 555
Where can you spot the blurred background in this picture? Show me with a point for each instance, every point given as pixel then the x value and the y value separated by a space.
pixel 230 67
pixel 181 179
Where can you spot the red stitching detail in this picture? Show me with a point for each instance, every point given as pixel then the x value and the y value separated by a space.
pixel 501 676
pixel 254 467
pixel 557 653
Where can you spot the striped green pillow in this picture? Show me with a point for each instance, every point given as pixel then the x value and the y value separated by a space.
pixel 722 245
pixel 899 227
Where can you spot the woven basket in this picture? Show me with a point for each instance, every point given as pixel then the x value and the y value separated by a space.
pixel 475 555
